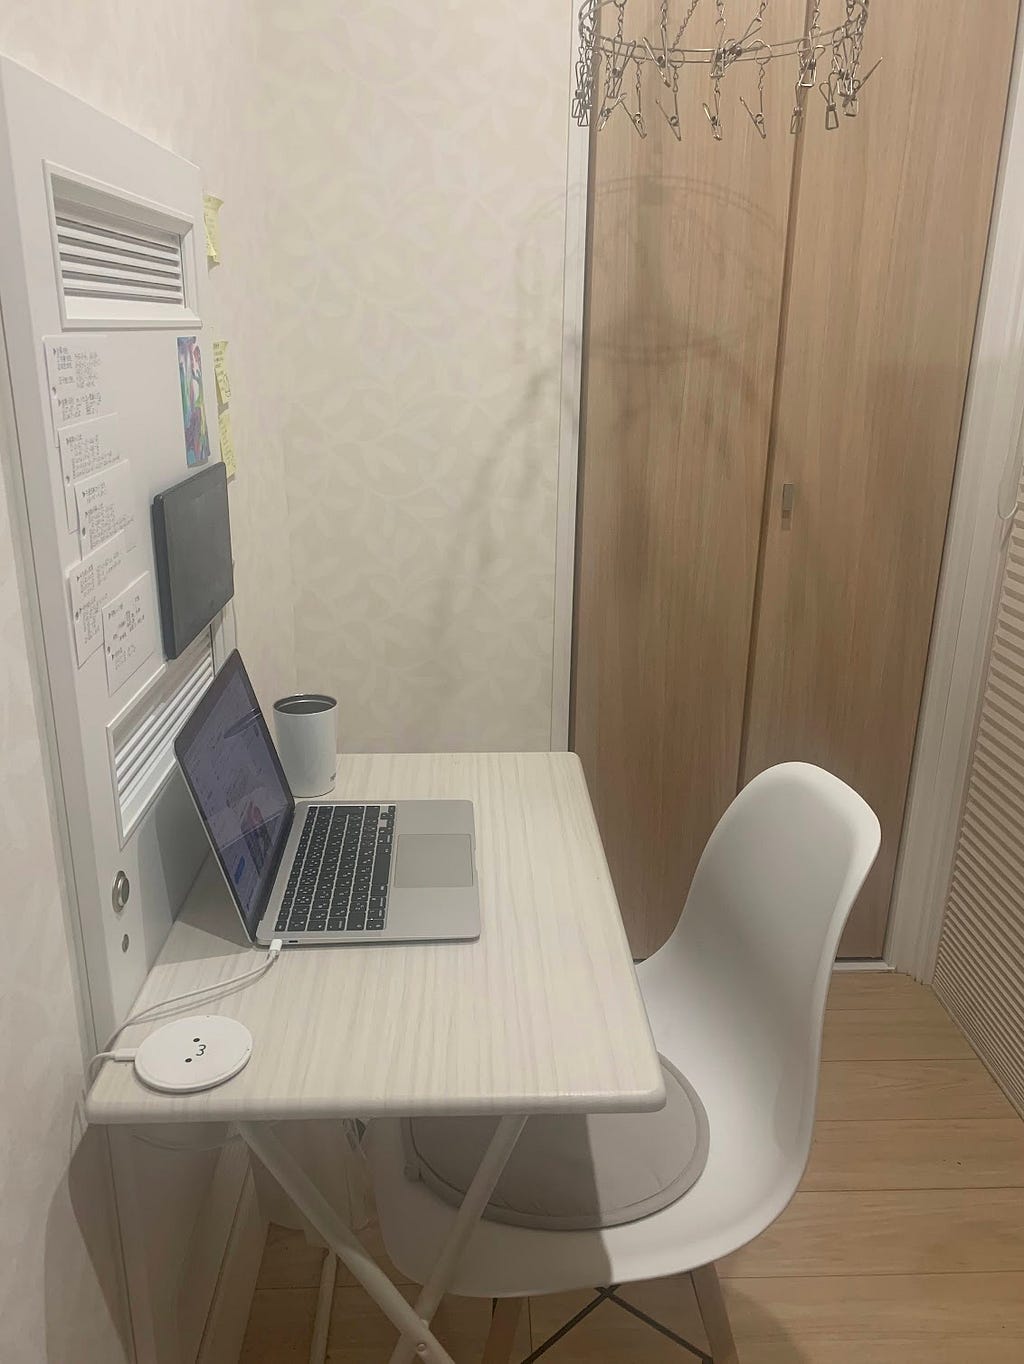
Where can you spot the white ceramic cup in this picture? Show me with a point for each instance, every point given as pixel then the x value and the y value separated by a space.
pixel 306 728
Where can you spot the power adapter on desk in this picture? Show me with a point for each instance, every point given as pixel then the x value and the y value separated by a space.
pixel 193 1053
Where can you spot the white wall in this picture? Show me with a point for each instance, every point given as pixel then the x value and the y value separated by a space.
pixel 421 151
pixel 394 184
pixel 60 1291
pixel 184 73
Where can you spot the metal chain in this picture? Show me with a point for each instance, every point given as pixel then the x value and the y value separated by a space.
pixel 686 19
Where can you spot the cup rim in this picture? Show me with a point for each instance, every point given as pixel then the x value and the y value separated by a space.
pixel 284 703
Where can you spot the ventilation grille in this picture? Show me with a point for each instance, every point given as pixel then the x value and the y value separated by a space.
pixel 142 740
pixel 980 969
pixel 119 261
pixel 102 263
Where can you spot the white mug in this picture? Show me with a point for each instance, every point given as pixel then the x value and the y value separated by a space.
pixel 306 728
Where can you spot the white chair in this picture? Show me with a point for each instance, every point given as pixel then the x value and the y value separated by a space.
pixel 736 1000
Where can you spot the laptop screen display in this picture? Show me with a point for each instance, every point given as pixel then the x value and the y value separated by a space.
pixel 239 788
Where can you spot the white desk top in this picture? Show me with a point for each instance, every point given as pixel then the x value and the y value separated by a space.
pixel 542 1014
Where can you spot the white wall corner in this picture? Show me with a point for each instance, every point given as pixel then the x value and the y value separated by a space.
pixel 570 415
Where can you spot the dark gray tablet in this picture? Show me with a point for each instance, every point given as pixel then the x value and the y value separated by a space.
pixel 192 548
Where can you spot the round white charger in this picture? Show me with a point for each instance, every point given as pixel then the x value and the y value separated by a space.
pixel 193 1053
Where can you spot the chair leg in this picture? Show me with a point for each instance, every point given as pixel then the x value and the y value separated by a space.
pixel 711 1305
pixel 501 1337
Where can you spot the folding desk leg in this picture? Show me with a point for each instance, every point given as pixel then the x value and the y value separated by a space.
pixel 324 1302
pixel 312 1204
pixel 469 1214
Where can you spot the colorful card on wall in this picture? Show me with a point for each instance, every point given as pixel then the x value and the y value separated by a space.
pixel 193 408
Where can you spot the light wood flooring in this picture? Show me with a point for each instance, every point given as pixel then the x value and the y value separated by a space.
pixel 904 1245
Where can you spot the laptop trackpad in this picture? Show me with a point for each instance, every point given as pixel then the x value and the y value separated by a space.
pixel 425 860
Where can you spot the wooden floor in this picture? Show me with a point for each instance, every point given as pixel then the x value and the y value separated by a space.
pixel 905 1243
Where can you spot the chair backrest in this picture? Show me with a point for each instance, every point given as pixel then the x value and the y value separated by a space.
pixel 761 927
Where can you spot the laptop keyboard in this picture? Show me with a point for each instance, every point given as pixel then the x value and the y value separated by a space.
pixel 339 878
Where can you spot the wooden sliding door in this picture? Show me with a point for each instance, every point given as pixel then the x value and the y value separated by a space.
pixel 888 252
pixel 688 245
pixel 700 659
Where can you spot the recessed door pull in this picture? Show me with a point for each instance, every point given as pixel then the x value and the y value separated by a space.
pixel 788 503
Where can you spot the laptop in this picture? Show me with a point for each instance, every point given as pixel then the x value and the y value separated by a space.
pixel 317 872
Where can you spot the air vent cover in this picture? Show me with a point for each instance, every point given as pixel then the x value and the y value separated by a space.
pixel 979 974
pixel 120 261
pixel 141 740
pixel 104 262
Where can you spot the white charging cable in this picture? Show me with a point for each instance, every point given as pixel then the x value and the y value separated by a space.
pixel 122 1054
pixel 222 987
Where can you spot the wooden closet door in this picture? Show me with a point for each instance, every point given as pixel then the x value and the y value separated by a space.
pixel 888 253
pixel 687 261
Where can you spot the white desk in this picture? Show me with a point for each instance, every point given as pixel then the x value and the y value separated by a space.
pixel 541 1014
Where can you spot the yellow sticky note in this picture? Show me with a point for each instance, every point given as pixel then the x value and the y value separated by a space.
pixel 211 220
pixel 227 443
pixel 220 369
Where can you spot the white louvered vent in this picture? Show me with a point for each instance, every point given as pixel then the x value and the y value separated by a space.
pixel 141 740
pixel 105 262
pixel 980 969
pixel 120 261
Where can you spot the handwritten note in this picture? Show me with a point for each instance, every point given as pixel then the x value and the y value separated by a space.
pixel 129 631
pixel 227 442
pixel 91 584
pixel 106 506
pixel 75 373
pixel 84 450
pixel 211 222
pixel 220 369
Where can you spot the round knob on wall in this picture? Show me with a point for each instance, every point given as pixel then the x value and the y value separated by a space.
pixel 120 892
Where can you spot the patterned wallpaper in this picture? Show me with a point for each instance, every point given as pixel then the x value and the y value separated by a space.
pixel 187 75
pixel 421 149
pixel 184 74
pixel 59 1287
pixel 392 234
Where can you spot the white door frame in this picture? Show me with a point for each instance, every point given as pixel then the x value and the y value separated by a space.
pixel 570 394
pixel 984 491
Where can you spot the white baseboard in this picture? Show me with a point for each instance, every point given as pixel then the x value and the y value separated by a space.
pixel 863 965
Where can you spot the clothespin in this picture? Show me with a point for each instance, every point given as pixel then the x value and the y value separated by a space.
pixel 661 59
pixel 715 119
pixel 758 119
pixel 851 103
pixel 672 119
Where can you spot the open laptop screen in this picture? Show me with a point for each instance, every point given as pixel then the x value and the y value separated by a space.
pixel 239 788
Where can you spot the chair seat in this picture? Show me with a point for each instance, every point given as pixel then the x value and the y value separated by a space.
pixel 736 999
pixel 572 1173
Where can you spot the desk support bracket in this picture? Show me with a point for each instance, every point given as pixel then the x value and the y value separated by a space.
pixel 413 1323
pixel 470 1211
pixel 264 1143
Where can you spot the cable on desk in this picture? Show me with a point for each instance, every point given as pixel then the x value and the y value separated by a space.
pixel 222 987
pixel 122 1054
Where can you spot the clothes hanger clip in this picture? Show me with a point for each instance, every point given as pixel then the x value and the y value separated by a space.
pixel 715 119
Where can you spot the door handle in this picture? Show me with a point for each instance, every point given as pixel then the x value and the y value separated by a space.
pixel 788 503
